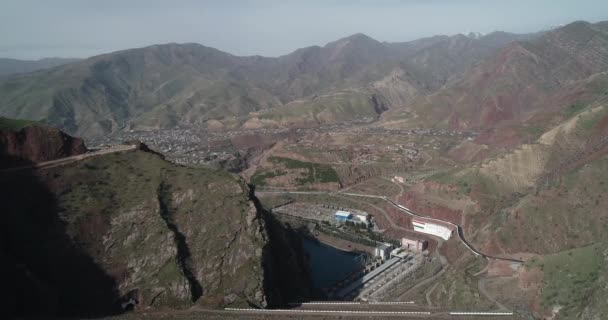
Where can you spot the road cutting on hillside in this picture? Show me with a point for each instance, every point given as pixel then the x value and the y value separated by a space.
pixel 72 159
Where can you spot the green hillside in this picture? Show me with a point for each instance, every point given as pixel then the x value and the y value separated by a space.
pixel 134 225
pixel 15 124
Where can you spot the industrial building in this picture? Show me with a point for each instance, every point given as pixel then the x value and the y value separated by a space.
pixel 414 244
pixel 383 250
pixel 362 216
pixel 400 253
pixel 435 229
pixel 342 215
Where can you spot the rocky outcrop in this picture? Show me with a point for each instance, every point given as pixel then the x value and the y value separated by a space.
pixel 133 231
pixel 36 144
pixel 286 269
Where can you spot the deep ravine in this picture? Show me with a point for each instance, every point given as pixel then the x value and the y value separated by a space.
pixel 183 251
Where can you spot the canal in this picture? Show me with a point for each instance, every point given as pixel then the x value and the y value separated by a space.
pixel 328 264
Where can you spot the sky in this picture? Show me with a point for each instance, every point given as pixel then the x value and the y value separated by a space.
pixel 33 29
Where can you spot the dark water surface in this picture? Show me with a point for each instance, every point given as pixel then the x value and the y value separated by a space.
pixel 328 264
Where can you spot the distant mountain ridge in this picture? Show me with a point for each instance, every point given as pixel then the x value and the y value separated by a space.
pixel 352 78
pixel 163 85
pixel 12 66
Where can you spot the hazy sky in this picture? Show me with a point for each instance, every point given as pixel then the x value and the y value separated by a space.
pixel 79 28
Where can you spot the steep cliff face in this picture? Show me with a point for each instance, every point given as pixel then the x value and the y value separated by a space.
pixel 131 230
pixel 286 268
pixel 36 143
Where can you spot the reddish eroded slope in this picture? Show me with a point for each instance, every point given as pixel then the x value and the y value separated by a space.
pixel 418 203
pixel 525 78
pixel 37 144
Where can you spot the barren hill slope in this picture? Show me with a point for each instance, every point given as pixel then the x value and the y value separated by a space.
pixel 521 80
pixel 545 198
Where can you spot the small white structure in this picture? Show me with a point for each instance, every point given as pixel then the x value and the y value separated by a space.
pixel 383 250
pixel 398 179
pixel 362 216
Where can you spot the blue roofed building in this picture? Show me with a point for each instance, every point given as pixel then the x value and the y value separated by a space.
pixel 343 215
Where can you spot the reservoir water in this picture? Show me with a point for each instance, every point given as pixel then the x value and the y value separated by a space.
pixel 328 264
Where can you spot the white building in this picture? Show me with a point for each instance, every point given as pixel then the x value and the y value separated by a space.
pixel 431 228
pixel 362 216
pixel 383 250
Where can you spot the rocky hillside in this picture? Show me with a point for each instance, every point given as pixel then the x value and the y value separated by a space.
pixel 23 142
pixel 544 199
pixel 524 80
pixel 131 230
pixel 164 85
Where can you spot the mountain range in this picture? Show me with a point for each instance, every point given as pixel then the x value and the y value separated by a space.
pixel 454 81
pixel 561 67
pixel 166 85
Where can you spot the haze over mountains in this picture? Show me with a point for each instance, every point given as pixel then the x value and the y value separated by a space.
pixel 13 66
pixel 164 85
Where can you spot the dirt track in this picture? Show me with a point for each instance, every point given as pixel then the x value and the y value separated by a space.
pixel 68 160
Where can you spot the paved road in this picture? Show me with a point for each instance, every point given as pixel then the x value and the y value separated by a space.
pixel 67 160
pixel 459 229
pixel 421 314
pixel 257 314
